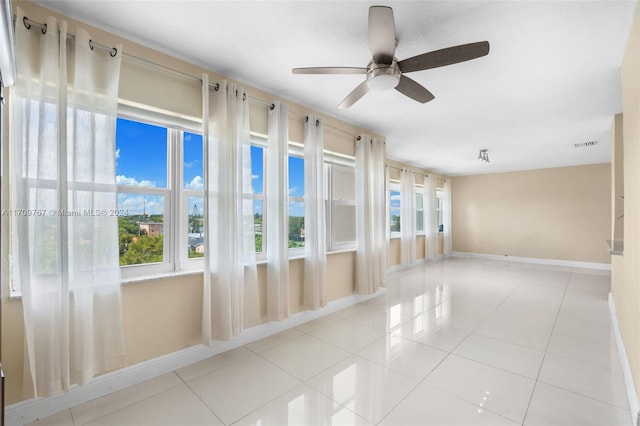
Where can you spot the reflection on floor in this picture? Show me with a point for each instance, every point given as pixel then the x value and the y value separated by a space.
pixel 455 342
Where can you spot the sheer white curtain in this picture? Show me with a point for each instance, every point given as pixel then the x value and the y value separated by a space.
pixel 430 218
pixel 65 249
pixel 407 217
pixel 230 279
pixel 278 213
pixel 446 218
pixel 371 215
pixel 315 251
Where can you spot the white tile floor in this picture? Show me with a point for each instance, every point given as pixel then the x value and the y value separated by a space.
pixel 455 342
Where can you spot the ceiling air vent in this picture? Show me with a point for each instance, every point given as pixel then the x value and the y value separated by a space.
pixel 585 144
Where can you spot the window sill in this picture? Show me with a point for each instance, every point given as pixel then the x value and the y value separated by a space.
pixel 160 276
pixel 341 251
pixel 152 277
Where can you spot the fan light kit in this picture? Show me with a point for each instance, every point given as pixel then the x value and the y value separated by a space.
pixel 484 155
pixel 385 72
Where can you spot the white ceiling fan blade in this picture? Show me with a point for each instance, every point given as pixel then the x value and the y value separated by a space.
pixel 329 70
pixel 382 34
pixel 355 95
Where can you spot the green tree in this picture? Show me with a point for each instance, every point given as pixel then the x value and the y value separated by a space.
pixel 143 249
pixel 258 243
pixel 395 223
pixel 296 225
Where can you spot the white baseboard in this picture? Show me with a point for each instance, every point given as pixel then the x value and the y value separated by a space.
pixel 28 411
pixel 540 261
pixel 632 396
pixel 422 261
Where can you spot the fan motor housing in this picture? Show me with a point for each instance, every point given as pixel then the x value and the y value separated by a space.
pixel 383 76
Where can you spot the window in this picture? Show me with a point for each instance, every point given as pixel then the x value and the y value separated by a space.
pixel 439 198
pixel 193 185
pixel 160 198
pixel 394 208
pixel 341 203
pixel 296 199
pixel 258 159
pixel 142 158
pixel 419 191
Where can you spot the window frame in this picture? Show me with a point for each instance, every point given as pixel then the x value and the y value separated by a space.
pixel 295 150
pixel 331 160
pixel 418 191
pixel 186 263
pixel 176 196
pixel 262 142
pixel 439 201
pixel 394 186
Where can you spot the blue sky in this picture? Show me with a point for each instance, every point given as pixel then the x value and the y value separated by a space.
pixel 141 160
pixel 395 199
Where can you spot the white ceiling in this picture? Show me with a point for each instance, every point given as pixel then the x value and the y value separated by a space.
pixel 551 79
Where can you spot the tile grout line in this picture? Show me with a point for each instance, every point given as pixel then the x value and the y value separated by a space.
pixel 421 382
pixel 203 402
pixel 535 385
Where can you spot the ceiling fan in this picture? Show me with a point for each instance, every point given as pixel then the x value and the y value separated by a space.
pixel 385 72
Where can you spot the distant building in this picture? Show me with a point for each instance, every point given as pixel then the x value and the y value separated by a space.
pixel 151 228
pixel 196 244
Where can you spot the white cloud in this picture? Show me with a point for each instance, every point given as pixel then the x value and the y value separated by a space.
pixel 190 164
pixel 254 177
pixel 117 153
pixel 124 180
pixel 292 191
pixel 137 204
pixel 196 183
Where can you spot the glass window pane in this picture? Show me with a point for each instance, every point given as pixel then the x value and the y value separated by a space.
pixel 419 220
pixel 141 230
pixel 344 223
pixel 193 164
pixel 141 154
pixel 257 220
pixel 395 220
pixel 257 169
pixel 296 224
pixel 195 228
pixel 395 198
pixel 296 176
pixel 419 201
pixel 344 183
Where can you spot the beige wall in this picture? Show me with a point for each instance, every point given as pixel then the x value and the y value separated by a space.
pixel 625 270
pixel 561 213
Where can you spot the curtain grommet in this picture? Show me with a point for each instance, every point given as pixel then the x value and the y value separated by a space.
pixel 113 53
pixel 26 23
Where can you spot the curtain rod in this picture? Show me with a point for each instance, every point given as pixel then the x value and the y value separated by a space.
pixel 28 23
pixel 403 169
pixel 412 171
